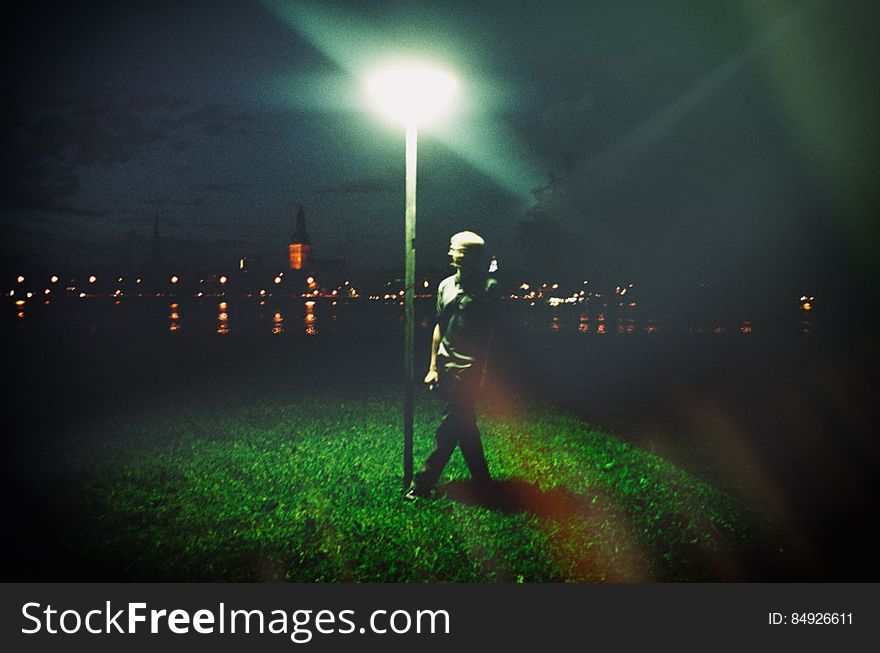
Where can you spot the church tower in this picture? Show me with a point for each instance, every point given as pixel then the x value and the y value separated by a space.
pixel 300 249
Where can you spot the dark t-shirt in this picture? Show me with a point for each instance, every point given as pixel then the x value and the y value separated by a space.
pixel 466 316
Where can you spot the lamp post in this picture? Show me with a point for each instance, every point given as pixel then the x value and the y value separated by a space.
pixel 412 95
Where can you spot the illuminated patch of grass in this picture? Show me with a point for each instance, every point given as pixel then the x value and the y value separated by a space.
pixel 309 489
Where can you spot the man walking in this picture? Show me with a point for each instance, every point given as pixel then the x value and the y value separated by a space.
pixel 466 310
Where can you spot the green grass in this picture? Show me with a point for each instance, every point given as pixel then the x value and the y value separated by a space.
pixel 309 489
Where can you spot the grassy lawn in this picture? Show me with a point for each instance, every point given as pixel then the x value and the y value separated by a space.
pixel 308 488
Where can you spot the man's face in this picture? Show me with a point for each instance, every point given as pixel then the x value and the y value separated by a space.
pixel 457 256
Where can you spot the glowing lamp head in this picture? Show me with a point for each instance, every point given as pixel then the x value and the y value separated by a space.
pixel 413 93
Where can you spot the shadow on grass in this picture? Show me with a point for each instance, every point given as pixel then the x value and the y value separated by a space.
pixel 515 495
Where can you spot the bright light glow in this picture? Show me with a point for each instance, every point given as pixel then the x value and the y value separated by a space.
pixel 310 280
pixel 412 93
pixel 20 279
pixel 174 279
pixel 93 279
pixel 54 279
pixel 277 280
pixel 223 279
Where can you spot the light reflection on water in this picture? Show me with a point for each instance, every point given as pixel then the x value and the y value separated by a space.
pixel 222 319
pixel 197 316
pixel 310 319
pixel 174 318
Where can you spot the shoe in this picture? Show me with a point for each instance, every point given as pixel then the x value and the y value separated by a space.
pixel 414 494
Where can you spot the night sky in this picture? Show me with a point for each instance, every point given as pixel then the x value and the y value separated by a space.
pixel 729 143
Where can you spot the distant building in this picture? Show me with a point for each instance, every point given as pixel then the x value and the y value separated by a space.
pixel 300 248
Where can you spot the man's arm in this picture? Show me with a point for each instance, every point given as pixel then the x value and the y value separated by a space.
pixel 432 376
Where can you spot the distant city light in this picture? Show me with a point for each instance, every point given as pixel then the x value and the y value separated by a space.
pixel 310 280
pixel 30 294
pixel 54 279
pixel 223 279
pixel 19 302
pixel 46 291
pixel 81 295
pixel 119 280
pixel 93 279
pixel 175 279
pixel 138 280
pixel 262 292
pixel 20 279
pixel 278 279
pixel 524 286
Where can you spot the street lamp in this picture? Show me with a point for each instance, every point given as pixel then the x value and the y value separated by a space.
pixel 411 94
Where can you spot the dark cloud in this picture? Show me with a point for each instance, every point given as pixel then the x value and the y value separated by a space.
pixel 47 144
pixel 221 187
pixel 82 211
pixel 216 120
pixel 367 185
pixel 160 202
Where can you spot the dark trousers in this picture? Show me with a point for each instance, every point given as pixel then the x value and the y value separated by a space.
pixel 458 427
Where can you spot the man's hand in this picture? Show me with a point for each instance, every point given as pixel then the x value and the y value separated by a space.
pixel 431 378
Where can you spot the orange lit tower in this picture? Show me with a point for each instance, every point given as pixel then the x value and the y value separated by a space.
pixel 300 248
